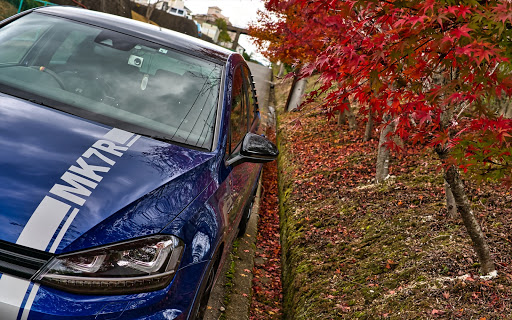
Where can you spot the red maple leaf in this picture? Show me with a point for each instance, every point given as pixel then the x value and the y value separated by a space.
pixel 461 31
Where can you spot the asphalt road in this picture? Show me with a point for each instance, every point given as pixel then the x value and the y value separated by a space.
pixel 262 78
pixel 236 307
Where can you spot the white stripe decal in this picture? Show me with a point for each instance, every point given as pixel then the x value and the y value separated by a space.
pixel 62 231
pixel 118 135
pixel 133 141
pixel 43 223
pixel 30 300
pixel 48 216
pixel 12 292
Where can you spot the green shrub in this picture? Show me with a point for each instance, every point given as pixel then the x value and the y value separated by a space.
pixel 27 4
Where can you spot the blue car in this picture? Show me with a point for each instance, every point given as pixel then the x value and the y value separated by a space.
pixel 129 158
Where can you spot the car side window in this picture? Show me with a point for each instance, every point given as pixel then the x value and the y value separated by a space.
pixel 238 119
pixel 251 99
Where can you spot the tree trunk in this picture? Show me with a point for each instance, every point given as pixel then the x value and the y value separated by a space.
pixel 150 9
pixel 149 12
pixel 297 94
pixel 504 104
pixel 349 113
pixel 290 93
pixel 281 70
pixel 451 206
pixel 342 118
pixel 454 183
pixel 452 177
pixel 507 113
pixel 369 128
pixel 383 151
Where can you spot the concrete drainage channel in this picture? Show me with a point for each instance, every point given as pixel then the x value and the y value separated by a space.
pixel 231 297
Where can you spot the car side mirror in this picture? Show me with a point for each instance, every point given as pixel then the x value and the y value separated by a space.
pixel 254 148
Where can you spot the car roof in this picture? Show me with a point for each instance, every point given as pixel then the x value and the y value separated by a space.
pixel 142 30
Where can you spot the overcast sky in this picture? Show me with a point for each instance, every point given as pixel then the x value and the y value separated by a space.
pixel 239 12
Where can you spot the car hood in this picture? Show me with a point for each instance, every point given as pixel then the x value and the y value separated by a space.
pixel 67 183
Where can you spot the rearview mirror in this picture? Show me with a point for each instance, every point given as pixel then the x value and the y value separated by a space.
pixel 254 148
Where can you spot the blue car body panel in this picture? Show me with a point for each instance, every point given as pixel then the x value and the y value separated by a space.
pixel 40 144
pixel 172 302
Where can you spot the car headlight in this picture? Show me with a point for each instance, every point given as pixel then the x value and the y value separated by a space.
pixel 130 267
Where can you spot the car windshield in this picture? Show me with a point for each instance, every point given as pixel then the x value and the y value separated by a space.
pixel 110 77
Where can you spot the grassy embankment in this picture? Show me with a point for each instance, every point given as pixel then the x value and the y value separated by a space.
pixel 6 9
pixel 352 249
pixel 139 17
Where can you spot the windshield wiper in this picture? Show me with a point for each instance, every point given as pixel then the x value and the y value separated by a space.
pixel 17 93
pixel 159 138
pixel 39 102
pixel 9 65
pixel 170 141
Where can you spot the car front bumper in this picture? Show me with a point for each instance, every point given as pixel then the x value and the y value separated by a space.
pixel 171 303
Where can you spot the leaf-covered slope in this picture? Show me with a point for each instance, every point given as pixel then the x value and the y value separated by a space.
pixel 356 250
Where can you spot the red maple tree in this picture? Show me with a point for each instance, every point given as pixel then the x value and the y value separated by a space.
pixel 433 71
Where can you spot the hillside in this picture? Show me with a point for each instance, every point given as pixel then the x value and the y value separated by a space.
pixel 139 17
pixel 356 250
pixel 6 9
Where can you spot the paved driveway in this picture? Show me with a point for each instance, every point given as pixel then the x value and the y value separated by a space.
pixel 262 77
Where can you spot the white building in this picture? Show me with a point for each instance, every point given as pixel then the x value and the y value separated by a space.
pixel 175 7
pixel 211 31
pixel 216 12
pixel 240 49
pixel 178 4
pixel 212 15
